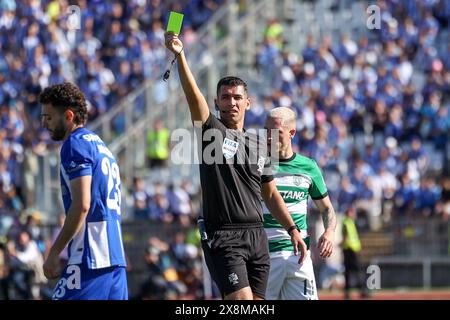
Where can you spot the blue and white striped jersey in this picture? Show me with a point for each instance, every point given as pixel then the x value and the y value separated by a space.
pixel 98 244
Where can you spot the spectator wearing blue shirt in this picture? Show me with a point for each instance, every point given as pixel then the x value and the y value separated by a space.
pixel 405 197
pixel 394 127
pixel 347 194
pixel 427 196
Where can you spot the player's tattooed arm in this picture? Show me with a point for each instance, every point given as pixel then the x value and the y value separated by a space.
pixel 326 241
pixel 327 212
pixel 329 218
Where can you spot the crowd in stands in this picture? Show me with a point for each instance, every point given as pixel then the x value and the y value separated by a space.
pixel 22 251
pixel 173 269
pixel 161 203
pixel 373 110
pixel 118 45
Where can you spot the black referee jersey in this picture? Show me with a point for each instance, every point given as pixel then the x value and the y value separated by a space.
pixel 233 166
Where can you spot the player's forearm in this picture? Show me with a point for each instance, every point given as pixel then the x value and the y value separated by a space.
pixel 196 101
pixel 278 209
pixel 75 219
pixel 328 218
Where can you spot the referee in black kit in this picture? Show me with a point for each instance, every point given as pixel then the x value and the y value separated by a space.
pixel 236 251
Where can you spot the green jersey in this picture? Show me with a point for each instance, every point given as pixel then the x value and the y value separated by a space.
pixel 296 178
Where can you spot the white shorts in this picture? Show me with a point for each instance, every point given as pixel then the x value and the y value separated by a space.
pixel 289 280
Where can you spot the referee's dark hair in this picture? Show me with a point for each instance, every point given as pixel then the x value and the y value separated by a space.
pixel 65 96
pixel 231 81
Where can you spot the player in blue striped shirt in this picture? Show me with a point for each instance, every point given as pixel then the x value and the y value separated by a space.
pixel 90 184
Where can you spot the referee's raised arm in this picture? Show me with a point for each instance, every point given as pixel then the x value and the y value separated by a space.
pixel 196 101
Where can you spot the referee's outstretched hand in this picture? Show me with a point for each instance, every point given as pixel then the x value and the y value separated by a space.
pixel 172 42
pixel 298 243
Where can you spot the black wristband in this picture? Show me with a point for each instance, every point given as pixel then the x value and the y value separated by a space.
pixel 292 228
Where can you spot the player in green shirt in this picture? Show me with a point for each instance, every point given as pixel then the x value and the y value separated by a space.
pixel 297 177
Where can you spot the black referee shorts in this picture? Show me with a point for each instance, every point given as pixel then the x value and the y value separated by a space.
pixel 238 258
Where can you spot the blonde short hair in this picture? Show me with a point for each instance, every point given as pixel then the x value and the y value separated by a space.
pixel 287 115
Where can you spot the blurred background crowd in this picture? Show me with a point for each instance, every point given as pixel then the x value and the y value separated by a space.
pixel 120 45
pixel 373 112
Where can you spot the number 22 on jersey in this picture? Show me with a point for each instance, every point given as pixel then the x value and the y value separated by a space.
pixel 111 170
